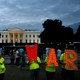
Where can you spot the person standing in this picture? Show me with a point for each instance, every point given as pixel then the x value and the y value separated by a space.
pixel 2 67
pixel 50 70
pixel 23 63
pixel 34 68
pixel 58 53
pixel 12 57
pixel 67 74
pixel 17 57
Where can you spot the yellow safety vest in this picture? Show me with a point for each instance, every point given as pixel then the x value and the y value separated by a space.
pixel 62 59
pixel 2 66
pixel 50 68
pixel 35 65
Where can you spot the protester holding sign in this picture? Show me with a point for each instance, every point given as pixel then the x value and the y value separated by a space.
pixel 68 67
pixel 34 61
pixel 67 60
pixel 35 69
pixel 51 63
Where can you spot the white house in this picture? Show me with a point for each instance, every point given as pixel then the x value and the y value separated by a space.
pixel 18 35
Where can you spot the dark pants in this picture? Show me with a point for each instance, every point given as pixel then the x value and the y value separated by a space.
pixel 35 74
pixel 17 61
pixel 50 75
pixel 22 63
pixel 68 74
pixel 2 76
pixel 12 61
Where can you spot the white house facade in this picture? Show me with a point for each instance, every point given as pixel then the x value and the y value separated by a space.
pixel 19 35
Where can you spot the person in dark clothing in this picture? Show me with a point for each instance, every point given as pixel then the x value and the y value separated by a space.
pixel 23 64
pixel 12 57
pixel 17 57
pixel 67 74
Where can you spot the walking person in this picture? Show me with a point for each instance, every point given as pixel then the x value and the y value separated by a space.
pixel 2 67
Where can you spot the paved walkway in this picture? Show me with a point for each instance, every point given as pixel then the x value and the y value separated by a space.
pixel 14 73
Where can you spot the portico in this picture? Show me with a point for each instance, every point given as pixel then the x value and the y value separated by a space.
pixel 17 35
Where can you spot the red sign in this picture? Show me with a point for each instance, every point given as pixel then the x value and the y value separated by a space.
pixel 32 52
pixel 70 61
pixel 52 58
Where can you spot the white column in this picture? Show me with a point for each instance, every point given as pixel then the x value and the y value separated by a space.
pixel 18 37
pixel 8 38
pixel 23 38
pixel 13 38
pixel 39 40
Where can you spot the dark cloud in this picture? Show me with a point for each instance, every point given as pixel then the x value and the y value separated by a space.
pixel 35 12
pixel 72 18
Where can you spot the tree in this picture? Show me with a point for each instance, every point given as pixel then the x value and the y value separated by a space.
pixel 55 33
pixel 77 34
pixel 68 34
pixel 53 29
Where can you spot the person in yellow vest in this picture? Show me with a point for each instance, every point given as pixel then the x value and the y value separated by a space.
pixel 67 74
pixel 50 70
pixel 2 67
pixel 34 68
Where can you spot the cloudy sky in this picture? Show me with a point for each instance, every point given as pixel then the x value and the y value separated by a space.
pixel 30 14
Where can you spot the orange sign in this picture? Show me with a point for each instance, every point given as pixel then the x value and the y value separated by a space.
pixel 70 61
pixel 52 58
pixel 32 52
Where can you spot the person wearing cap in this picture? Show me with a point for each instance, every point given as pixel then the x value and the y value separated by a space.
pixel 2 67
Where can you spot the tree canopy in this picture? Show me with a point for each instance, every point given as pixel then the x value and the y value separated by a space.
pixel 54 32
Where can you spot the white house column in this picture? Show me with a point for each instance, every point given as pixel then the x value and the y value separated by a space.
pixel 23 38
pixel 18 37
pixel 13 38
pixel 8 38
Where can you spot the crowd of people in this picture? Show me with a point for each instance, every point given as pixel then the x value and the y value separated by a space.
pixel 18 57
